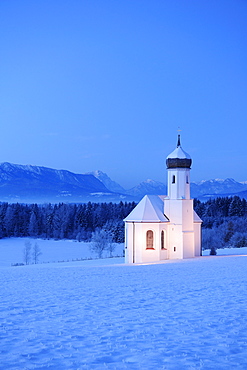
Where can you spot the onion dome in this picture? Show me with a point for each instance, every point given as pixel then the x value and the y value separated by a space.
pixel 178 158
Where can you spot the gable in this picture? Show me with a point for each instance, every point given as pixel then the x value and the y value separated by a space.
pixel 149 209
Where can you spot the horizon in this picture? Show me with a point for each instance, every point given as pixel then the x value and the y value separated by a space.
pixel 106 85
pixel 112 179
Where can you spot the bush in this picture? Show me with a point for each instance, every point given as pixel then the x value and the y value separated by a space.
pixel 213 251
pixel 101 240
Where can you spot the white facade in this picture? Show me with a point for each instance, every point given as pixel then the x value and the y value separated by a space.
pixel 165 227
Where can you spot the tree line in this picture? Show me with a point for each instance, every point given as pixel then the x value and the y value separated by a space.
pixel 63 221
pixel 214 210
pixel 224 222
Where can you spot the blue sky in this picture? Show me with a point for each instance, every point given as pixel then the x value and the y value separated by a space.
pixel 104 84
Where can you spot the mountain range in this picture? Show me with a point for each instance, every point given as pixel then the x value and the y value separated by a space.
pixel 34 184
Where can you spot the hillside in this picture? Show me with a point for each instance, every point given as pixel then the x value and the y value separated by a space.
pixel 41 184
pixel 217 187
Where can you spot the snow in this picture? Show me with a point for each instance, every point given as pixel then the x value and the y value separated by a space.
pixel 179 153
pixel 11 250
pixel 102 314
pixel 100 193
pixel 149 209
pixel 228 251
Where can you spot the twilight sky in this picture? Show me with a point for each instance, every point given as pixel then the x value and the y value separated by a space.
pixel 92 84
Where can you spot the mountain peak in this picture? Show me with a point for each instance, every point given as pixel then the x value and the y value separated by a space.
pixel 150 187
pixel 25 183
pixel 29 183
pixel 107 181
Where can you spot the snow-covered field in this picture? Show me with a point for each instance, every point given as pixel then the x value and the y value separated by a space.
pixel 11 250
pixel 102 314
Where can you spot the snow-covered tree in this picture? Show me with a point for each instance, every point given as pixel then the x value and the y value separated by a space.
pixel 211 239
pixel 36 253
pixel 238 240
pixel 33 225
pixel 27 252
pixel 229 232
pixel 111 246
pixel 100 241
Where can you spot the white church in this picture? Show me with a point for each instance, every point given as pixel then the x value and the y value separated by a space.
pixel 165 227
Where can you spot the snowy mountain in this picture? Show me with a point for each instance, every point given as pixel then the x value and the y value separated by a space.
pixel 148 187
pixel 137 192
pixel 203 189
pixel 19 183
pixel 28 184
pixel 108 182
pixel 217 187
pixel 34 184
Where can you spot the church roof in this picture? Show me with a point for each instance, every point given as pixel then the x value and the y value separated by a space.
pixel 179 153
pixel 150 209
pixel 197 218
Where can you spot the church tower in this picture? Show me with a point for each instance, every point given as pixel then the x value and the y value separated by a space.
pixel 165 227
pixel 178 206
pixel 178 166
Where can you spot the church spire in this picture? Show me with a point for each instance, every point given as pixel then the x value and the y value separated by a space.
pixel 178 165
pixel 178 158
pixel 179 143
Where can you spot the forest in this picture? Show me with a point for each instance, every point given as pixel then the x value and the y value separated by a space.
pixel 63 221
pixel 224 220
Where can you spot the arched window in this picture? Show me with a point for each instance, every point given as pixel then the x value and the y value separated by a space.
pixel 173 179
pixel 150 240
pixel 163 241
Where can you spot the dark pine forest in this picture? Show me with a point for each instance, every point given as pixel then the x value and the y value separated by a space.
pixel 63 221
pixel 224 220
